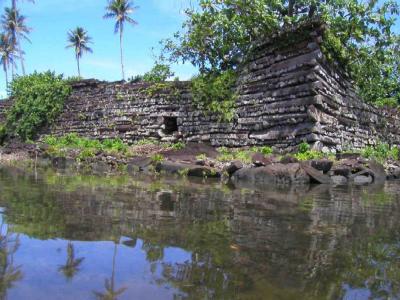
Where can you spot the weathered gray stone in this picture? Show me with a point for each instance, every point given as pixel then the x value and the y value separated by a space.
pixel 316 175
pixel 361 180
pixel 323 165
pixel 232 167
pixel 138 164
pixel 273 174
pixel 339 180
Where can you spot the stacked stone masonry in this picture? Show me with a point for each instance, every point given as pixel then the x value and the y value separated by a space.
pixel 287 93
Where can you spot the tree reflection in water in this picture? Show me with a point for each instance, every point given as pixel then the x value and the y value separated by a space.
pixel 9 273
pixel 111 292
pixel 72 264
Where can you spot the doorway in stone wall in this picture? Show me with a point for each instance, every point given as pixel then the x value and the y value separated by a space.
pixel 170 125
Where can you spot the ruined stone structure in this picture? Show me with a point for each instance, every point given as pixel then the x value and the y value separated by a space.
pixel 287 93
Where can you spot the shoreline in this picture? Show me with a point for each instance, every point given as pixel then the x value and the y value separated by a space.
pixel 191 161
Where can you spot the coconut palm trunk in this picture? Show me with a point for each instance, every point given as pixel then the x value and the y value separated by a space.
pixel 79 67
pixel 122 52
pixel 21 56
pixel 6 73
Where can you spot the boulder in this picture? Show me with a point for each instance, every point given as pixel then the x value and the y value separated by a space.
pixel 260 160
pixel 341 170
pixel 378 171
pixel 394 173
pixel 324 165
pixel 138 164
pixel 339 180
pixel 316 175
pixel 273 174
pixel 232 167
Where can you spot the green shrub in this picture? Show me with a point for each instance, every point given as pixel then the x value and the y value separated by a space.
pixel 156 158
pixel 159 73
pixel 85 154
pixel 38 100
pixel 305 153
pixel 304 147
pixel 266 150
pixel 309 155
pixel 178 146
pixel 87 147
pixel 116 145
pixel 381 152
pixel 226 155
pixel 214 92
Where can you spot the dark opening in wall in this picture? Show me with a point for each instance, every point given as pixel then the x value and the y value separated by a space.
pixel 170 125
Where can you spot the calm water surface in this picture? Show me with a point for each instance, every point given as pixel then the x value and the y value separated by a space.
pixel 65 236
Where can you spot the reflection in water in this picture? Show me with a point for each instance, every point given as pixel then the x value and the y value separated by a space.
pixel 9 273
pixel 169 239
pixel 111 293
pixel 71 266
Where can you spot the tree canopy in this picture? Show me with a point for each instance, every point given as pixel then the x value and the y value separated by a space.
pixel 218 34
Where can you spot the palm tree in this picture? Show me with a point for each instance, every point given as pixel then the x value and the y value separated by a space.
pixel 14 25
pixel 72 264
pixel 120 11
pixel 14 3
pixel 7 54
pixel 79 39
pixel 111 292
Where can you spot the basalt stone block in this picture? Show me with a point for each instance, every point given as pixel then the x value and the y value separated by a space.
pixel 273 174
pixel 232 167
pixel 339 180
pixel 324 165
pixel 362 180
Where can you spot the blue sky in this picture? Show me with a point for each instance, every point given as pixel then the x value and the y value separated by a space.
pixel 51 20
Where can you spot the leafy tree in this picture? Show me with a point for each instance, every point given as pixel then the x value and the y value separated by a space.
pixel 79 40
pixel 217 36
pixel 120 11
pixel 7 54
pixel 15 26
pixel 159 73
pixel 38 100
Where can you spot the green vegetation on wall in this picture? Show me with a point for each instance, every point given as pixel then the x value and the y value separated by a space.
pixel 38 100
pixel 214 92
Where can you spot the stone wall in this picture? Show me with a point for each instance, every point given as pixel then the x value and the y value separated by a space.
pixel 287 93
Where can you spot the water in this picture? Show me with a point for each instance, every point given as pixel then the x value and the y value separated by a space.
pixel 81 237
